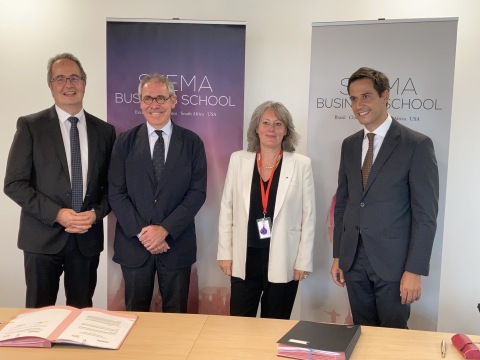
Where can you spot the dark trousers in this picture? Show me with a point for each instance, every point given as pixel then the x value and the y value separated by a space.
pixel 373 301
pixel 43 271
pixel 172 283
pixel 276 298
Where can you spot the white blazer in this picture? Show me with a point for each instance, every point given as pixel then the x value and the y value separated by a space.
pixel 293 223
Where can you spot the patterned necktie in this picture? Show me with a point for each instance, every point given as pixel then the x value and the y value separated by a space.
pixel 368 161
pixel 158 156
pixel 76 166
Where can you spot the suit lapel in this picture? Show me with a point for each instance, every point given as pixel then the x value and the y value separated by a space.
pixel 55 133
pixel 246 172
pixel 92 136
pixel 174 150
pixel 143 151
pixel 357 159
pixel 286 175
pixel 389 144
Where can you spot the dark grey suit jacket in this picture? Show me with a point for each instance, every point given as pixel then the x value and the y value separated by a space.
pixel 396 214
pixel 37 179
pixel 137 202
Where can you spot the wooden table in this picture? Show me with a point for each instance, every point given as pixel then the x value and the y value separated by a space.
pixel 211 337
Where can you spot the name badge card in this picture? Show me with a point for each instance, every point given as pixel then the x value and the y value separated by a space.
pixel 264 227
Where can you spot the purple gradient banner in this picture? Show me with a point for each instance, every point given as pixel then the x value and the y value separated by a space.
pixel 206 64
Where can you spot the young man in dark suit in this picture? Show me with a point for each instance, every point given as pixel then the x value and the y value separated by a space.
pixel 56 172
pixel 386 208
pixel 157 184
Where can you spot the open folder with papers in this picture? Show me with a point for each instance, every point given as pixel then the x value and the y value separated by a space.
pixel 64 324
pixel 312 340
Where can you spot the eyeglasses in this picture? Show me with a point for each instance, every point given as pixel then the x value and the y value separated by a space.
pixel 159 99
pixel 62 80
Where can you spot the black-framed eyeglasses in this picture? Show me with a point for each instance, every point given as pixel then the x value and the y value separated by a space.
pixel 62 80
pixel 160 99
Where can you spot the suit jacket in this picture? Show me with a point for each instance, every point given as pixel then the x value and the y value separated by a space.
pixel 293 223
pixel 37 178
pixel 396 213
pixel 173 204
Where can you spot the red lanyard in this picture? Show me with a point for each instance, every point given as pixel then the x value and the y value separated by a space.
pixel 262 187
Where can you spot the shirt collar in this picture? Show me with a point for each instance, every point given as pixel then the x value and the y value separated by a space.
pixel 167 129
pixel 382 129
pixel 63 115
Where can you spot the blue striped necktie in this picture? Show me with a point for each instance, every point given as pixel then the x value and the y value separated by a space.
pixel 158 156
pixel 76 166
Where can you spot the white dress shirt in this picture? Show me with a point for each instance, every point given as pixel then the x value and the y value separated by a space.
pixel 167 134
pixel 380 133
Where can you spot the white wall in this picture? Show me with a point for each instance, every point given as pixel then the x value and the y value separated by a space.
pixel 277 67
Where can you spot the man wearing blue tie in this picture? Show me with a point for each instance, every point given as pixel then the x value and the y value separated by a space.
pixel 56 172
pixel 157 184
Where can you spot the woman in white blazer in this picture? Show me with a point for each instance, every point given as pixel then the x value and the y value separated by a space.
pixel 267 217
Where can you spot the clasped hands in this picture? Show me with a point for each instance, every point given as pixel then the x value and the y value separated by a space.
pixel 153 239
pixel 75 223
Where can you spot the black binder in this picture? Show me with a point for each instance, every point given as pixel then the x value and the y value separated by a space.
pixel 307 338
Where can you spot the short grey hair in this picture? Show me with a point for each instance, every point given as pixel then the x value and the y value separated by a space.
pixel 64 56
pixel 290 140
pixel 156 78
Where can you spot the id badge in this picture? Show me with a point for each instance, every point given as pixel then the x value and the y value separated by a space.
pixel 264 227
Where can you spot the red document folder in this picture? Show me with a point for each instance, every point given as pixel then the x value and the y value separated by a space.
pixel 466 346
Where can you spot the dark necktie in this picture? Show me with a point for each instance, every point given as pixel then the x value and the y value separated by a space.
pixel 76 166
pixel 368 161
pixel 158 156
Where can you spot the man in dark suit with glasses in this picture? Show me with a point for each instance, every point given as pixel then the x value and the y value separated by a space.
pixel 57 173
pixel 157 184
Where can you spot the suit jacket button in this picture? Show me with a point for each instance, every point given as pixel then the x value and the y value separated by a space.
pixel 362 204
pixel 155 201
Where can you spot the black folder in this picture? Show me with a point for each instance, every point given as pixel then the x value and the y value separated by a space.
pixel 308 338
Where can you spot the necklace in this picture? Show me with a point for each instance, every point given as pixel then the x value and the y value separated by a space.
pixel 271 167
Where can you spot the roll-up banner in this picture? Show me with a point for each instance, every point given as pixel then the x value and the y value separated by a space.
pixel 418 56
pixel 206 63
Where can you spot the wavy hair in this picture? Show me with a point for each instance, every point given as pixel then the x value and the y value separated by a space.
pixel 290 140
